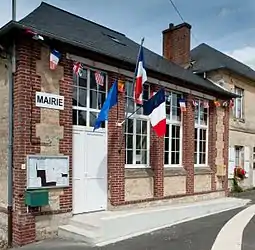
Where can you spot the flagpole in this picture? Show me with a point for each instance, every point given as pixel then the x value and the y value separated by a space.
pixel 126 103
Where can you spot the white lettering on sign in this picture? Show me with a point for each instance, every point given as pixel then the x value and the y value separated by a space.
pixel 50 101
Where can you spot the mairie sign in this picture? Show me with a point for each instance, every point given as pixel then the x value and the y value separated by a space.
pixel 51 101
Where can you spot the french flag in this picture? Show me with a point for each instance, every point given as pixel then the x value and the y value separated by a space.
pixel 155 108
pixel 141 78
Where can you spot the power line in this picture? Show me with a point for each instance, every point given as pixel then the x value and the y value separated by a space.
pixel 181 17
pixel 177 11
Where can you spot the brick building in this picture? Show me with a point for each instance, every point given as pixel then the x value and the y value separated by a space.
pixel 103 172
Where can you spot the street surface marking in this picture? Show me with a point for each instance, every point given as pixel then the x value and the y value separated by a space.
pixel 231 235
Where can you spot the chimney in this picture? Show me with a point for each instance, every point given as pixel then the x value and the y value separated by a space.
pixel 176 43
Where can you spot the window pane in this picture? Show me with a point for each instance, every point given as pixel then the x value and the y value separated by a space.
pixel 173 158
pixel 129 126
pixel 74 117
pixel 167 130
pixel 82 97
pixel 138 127
pixel 144 127
pixel 75 101
pixel 93 99
pixel 82 118
pixel 129 157
pixel 130 105
pixel 195 158
pixel 144 157
pixel 138 142
pixel 138 158
pixel 144 142
pixel 166 144
pixel 166 158
pixel 129 143
pixel 83 80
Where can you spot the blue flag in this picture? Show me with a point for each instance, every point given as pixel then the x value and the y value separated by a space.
pixel 111 100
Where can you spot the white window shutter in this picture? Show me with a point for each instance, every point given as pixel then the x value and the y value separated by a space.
pixel 231 162
pixel 247 160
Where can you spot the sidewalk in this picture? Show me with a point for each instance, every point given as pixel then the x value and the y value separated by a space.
pixel 128 224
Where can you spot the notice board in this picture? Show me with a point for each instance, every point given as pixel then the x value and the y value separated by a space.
pixel 47 171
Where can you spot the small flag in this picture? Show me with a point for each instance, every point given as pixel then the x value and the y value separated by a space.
pixel 195 103
pixel 111 100
pixel 99 77
pixel 141 78
pixel 121 86
pixel 206 104
pixel 54 59
pixel 182 105
pixel 217 103
pixel 155 108
pixel 77 67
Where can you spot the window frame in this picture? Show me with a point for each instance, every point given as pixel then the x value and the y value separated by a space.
pixel 88 109
pixel 239 91
pixel 199 126
pixel 136 117
pixel 171 122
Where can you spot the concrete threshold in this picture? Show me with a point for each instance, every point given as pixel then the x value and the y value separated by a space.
pixel 103 228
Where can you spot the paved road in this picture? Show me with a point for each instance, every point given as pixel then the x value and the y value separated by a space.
pixel 216 232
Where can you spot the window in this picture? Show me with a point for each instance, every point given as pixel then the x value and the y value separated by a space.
pixel 173 130
pixel 88 97
pixel 238 104
pixel 239 156
pixel 137 130
pixel 201 133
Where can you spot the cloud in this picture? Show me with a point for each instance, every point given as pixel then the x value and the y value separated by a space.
pixel 245 55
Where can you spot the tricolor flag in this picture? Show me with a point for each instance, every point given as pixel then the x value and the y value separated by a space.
pixel 141 78
pixel 54 59
pixel 182 104
pixel 155 108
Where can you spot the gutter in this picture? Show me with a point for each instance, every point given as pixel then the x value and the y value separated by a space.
pixel 12 69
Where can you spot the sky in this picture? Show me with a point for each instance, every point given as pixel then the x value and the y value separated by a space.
pixel 227 25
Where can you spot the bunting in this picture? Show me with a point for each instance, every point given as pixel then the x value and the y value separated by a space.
pixel 182 104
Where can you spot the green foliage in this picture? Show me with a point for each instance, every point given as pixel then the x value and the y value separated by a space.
pixel 236 188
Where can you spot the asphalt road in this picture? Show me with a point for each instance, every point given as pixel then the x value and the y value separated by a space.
pixel 198 234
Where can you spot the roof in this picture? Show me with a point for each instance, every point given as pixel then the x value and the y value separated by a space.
pixel 82 33
pixel 207 59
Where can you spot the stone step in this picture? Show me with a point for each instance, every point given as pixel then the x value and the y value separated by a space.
pixel 107 227
pixel 78 234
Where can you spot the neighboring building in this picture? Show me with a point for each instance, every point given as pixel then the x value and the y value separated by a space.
pixel 240 79
pixel 148 169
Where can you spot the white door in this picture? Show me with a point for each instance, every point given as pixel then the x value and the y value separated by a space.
pixel 89 170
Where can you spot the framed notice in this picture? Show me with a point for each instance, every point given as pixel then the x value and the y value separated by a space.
pixel 47 171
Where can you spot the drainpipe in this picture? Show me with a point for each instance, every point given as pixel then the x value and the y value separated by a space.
pixel 11 69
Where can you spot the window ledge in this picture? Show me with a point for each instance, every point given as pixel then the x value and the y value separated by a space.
pixel 202 170
pixel 174 171
pixel 131 173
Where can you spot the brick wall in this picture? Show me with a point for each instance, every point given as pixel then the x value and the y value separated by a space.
pixel 188 144
pixel 29 78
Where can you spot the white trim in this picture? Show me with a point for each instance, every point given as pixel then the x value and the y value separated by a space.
pixel 198 126
pixel 175 123
pixel 87 108
pixel 139 117
pixel 239 91
pixel 108 68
